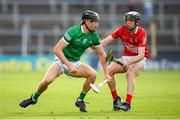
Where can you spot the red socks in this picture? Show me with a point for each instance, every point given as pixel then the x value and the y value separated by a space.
pixel 114 94
pixel 128 98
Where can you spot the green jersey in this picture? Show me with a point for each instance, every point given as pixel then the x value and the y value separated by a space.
pixel 78 42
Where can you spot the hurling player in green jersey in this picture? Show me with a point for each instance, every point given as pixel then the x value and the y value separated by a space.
pixel 68 51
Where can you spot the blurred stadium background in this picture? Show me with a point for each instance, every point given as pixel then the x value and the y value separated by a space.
pixel 33 27
pixel 29 30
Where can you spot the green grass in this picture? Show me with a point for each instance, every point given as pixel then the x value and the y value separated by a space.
pixel 157 96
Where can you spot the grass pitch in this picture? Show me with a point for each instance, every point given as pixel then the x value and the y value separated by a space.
pixel 157 96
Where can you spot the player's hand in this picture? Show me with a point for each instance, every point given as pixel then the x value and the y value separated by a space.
pixel 72 69
pixel 107 77
pixel 125 65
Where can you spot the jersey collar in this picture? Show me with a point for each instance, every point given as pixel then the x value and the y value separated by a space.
pixel 136 29
pixel 82 30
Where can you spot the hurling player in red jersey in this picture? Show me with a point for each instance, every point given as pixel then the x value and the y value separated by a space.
pixel 134 59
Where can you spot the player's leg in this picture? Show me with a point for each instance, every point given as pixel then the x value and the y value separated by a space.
pixel 114 68
pixel 52 73
pixel 84 71
pixel 133 71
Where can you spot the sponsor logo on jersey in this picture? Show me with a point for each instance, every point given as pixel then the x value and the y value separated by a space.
pixel 131 48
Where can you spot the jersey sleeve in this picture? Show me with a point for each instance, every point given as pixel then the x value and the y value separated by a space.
pixel 143 39
pixel 96 40
pixel 69 35
pixel 117 33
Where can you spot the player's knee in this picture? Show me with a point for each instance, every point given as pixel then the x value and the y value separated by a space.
pixel 111 72
pixel 93 76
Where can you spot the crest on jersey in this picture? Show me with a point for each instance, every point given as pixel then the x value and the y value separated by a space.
pixel 84 41
pixel 131 40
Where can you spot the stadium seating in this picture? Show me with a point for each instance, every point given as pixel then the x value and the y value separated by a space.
pixel 45 21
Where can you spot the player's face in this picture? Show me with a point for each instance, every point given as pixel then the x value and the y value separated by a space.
pixel 93 25
pixel 130 24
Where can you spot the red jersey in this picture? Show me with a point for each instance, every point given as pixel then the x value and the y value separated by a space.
pixel 132 42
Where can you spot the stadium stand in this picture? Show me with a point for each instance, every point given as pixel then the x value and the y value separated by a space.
pixel 34 27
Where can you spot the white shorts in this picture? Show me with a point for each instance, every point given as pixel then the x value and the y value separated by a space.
pixel 63 66
pixel 127 58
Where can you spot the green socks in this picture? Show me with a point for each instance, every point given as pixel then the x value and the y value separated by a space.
pixel 35 96
pixel 82 95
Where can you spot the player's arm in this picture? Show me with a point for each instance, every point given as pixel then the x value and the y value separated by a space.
pixel 139 57
pixel 141 49
pixel 102 58
pixel 107 40
pixel 59 53
pixel 116 34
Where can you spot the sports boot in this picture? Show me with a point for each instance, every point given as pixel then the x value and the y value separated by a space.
pixel 116 103
pixel 125 106
pixel 80 103
pixel 27 102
